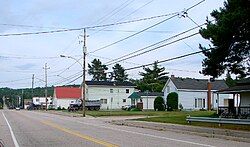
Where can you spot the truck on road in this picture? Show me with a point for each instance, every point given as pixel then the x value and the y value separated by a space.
pixel 89 105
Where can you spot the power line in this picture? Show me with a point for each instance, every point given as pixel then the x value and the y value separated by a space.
pixel 132 31
pixel 172 37
pixel 30 26
pixel 178 14
pixel 127 15
pixel 115 11
pixel 171 59
pixel 134 34
pixel 158 47
pixel 88 27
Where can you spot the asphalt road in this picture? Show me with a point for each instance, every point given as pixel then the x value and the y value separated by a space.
pixel 37 129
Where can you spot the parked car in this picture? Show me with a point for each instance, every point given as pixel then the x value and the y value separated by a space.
pixel 18 108
pixel 128 107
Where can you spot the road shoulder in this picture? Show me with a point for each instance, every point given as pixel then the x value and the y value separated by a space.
pixel 227 134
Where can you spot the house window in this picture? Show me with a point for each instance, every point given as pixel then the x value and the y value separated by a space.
pixel 37 100
pixel 199 103
pixel 124 100
pixel 111 90
pixel 127 90
pixel 103 101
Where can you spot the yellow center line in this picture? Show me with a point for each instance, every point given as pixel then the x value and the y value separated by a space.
pixel 86 137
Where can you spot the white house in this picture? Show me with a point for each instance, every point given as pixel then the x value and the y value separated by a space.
pixel 193 93
pixel 42 101
pixel 113 95
pixel 63 96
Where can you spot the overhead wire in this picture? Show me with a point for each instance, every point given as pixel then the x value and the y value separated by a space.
pixel 139 32
pixel 126 15
pixel 134 34
pixel 166 60
pixel 87 27
pixel 164 40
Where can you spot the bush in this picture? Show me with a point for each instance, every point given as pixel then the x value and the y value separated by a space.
pixel 1 106
pixel 59 108
pixel 159 104
pixel 172 101
pixel 135 109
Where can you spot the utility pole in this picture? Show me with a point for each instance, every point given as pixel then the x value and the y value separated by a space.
pixel 83 79
pixel 46 91
pixel 32 85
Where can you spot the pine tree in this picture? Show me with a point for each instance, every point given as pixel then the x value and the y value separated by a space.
pixel 97 70
pixel 230 38
pixel 153 79
pixel 119 73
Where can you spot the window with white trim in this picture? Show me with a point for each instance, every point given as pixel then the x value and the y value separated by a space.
pixel 199 103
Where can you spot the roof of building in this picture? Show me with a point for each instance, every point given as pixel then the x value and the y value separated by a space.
pixel 198 84
pixel 67 92
pixel 244 82
pixel 134 95
pixel 241 86
pixel 110 83
pixel 138 95
pixel 150 93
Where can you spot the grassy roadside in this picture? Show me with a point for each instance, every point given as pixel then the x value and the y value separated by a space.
pixel 176 117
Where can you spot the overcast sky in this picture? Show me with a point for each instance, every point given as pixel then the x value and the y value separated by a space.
pixel 22 56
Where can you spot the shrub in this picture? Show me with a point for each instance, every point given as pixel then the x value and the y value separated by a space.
pixel 172 101
pixel 59 108
pixel 135 109
pixel 1 106
pixel 159 104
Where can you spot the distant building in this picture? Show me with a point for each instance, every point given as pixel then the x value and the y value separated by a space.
pixel 63 96
pixel 193 93
pixel 113 95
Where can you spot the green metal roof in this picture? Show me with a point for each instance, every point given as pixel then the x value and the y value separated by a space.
pixel 134 95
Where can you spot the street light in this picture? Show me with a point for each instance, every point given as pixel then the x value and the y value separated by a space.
pixel 83 81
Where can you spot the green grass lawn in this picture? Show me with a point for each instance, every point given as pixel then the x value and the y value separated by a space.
pixel 175 117
pixel 122 113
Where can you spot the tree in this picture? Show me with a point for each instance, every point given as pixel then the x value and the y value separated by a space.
pixel 119 73
pixel 97 70
pixel 172 101
pixel 229 81
pixel 153 79
pixel 159 104
pixel 230 37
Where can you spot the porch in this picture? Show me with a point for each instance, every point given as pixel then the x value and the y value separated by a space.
pixel 242 112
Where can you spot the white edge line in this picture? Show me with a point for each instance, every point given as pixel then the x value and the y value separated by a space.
pixel 11 132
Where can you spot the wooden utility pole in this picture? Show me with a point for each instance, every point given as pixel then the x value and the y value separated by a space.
pixel 32 86
pixel 46 84
pixel 84 73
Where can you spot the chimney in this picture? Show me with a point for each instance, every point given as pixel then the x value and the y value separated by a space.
pixel 209 87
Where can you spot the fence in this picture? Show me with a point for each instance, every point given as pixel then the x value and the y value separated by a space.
pixel 218 120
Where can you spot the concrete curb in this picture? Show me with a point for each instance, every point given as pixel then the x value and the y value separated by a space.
pixel 241 136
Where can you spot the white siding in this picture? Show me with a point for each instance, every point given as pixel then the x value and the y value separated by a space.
pixel 245 99
pixel 114 100
pixel 170 87
pixel 148 100
pixel 63 103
